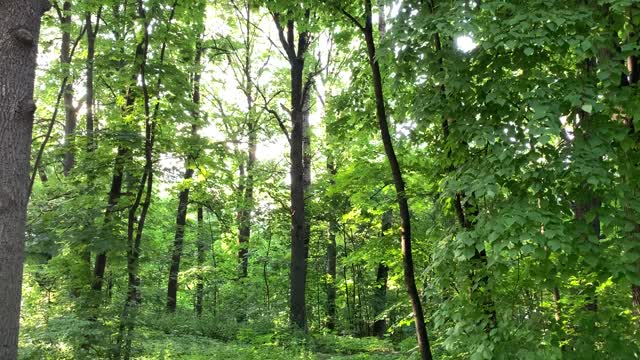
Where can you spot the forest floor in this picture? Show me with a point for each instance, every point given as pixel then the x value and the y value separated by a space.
pixel 157 345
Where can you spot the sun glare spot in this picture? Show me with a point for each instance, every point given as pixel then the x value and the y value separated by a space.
pixel 465 43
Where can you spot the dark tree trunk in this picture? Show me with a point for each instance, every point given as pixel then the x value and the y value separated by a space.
pixel 121 158
pixel 117 178
pixel 380 293
pixel 92 32
pixel 183 197
pixel 114 196
pixel 247 203
pixel 298 276
pixel 201 248
pixel 298 266
pixel 19 32
pixel 403 205
pixel 331 275
pixel 331 262
pixel 69 109
pixel 181 221
pixel 136 220
pixel 306 158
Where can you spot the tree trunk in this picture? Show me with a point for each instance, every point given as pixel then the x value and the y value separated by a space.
pixel 201 248
pixel 114 196
pixel 69 109
pixel 246 175
pixel 91 51
pixel 183 197
pixel 142 202
pixel 306 149
pixel 403 205
pixel 298 266
pixel 19 31
pixel 556 304
pixel 331 261
pixel 181 221
pixel 380 293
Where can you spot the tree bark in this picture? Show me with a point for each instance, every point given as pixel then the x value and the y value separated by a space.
pixel 181 221
pixel 403 204
pixel 19 32
pixel 380 292
pixel 246 176
pixel 69 108
pixel 92 32
pixel 331 261
pixel 183 197
pixel 201 248
pixel 298 266
pixel 298 239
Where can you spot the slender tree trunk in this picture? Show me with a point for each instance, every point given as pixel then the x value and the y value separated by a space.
pixel 142 202
pixel 556 304
pixel 331 260
pixel 70 112
pixel 246 177
pixel 201 248
pixel 92 33
pixel 114 196
pixel 403 205
pixel 298 240
pixel 181 221
pixel 115 192
pixel 19 32
pixel 380 293
pixel 183 197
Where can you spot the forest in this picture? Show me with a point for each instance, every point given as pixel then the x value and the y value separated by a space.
pixel 319 179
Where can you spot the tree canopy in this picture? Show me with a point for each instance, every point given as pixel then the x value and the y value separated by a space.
pixel 318 179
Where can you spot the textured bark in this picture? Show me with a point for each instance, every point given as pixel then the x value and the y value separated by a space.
pixel 306 159
pixel 298 266
pixel 19 31
pixel 380 292
pixel 183 197
pixel 69 109
pixel 403 205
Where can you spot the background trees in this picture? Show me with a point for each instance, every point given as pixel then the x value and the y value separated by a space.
pixel 226 178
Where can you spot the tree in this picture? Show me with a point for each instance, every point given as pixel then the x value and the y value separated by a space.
pixel 403 204
pixel 299 92
pixel 20 28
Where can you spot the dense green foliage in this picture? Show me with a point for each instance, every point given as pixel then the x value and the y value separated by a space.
pixel 520 156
